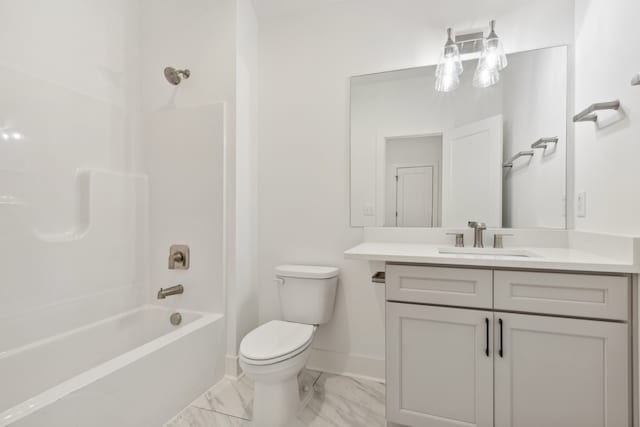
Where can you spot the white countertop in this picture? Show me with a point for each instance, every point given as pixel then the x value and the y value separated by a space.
pixel 543 258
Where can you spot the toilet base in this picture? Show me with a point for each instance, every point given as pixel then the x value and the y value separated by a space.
pixel 276 399
pixel 276 405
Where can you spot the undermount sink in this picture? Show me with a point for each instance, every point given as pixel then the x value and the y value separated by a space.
pixel 490 252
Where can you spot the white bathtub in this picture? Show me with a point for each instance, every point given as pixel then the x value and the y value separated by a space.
pixel 134 369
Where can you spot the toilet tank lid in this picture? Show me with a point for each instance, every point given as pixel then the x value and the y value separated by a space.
pixel 307 271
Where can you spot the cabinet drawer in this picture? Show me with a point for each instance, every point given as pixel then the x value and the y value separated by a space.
pixel 581 295
pixel 438 285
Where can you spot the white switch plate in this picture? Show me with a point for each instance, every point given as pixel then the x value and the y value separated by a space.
pixel 581 205
pixel 369 210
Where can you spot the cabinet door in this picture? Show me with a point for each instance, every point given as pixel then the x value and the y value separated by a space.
pixel 557 372
pixel 439 366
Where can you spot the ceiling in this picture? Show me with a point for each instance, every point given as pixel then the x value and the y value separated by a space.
pixel 272 8
pixel 438 10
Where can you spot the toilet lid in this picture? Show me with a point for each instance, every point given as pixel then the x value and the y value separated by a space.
pixel 276 339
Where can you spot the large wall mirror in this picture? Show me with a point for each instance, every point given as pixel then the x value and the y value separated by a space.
pixel 422 158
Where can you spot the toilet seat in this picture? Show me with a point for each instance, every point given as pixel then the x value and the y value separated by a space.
pixel 276 341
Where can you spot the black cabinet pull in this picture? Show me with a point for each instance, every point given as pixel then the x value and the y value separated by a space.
pixel 486 349
pixel 500 351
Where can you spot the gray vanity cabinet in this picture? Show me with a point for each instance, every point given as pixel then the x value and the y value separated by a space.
pixel 439 366
pixel 559 372
pixel 454 365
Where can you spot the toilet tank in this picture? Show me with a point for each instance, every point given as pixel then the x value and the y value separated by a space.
pixel 307 293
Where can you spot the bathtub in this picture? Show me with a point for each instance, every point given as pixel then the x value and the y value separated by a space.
pixel 133 369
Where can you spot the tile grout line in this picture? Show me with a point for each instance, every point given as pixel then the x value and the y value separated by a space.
pixel 221 413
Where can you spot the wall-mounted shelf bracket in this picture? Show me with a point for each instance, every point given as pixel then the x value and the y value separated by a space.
pixel 509 164
pixel 544 142
pixel 587 115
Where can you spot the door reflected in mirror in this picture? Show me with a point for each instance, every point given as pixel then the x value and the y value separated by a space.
pixel 422 158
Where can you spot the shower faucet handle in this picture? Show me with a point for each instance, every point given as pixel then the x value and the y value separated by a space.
pixel 179 257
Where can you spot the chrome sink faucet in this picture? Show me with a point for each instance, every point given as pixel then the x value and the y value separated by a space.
pixel 478 228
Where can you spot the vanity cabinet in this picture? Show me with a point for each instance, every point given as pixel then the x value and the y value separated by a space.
pixel 506 364
pixel 438 371
pixel 561 372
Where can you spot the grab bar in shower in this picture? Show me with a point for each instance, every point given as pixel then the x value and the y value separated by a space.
pixel 509 164
pixel 543 142
pixel 635 81
pixel 587 115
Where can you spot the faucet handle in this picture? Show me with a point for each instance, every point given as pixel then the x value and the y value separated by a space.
pixel 459 239
pixel 477 225
pixel 179 256
pixel 497 240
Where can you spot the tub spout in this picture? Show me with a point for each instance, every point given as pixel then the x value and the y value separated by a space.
pixel 173 290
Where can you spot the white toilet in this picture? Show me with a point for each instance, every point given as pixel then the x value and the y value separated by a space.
pixel 273 354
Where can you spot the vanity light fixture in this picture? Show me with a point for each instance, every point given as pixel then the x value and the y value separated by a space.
pixel 492 60
pixel 449 67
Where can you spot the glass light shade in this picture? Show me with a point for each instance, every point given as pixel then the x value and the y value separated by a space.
pixel 449 66
pixel 485 76
pixel 447 82
pixel 450 62
pixel 493 55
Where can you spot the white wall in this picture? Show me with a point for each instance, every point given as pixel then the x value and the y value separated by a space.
pixel 69 80
pixel 607 157
pixel 305 63
pixel 242 298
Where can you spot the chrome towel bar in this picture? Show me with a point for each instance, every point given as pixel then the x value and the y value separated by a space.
pixel 543 142
pixel 587 114
pixel 509 164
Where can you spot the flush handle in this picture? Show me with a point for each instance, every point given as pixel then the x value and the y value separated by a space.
pixel 379 277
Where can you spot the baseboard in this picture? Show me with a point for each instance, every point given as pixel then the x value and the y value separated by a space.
pixel 353 365
pixel 232 366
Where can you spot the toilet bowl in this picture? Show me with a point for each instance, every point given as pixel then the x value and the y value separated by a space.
pixel 272 355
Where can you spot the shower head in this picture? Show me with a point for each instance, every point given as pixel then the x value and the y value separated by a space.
pixel 173 76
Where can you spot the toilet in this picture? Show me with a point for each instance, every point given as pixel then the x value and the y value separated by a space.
pixel 273 354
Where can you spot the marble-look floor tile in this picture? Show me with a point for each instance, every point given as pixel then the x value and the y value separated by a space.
pixel 343 401
pixel 198 417
pixel 230 397
pixel 235 397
